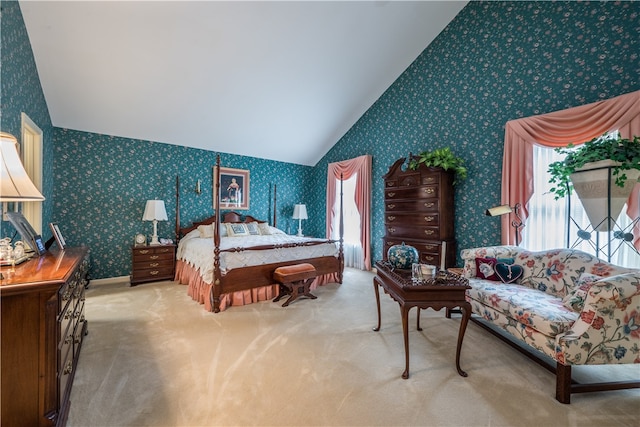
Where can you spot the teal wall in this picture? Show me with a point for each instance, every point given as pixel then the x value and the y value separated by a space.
pixel 496 61
pixel 103 183
pixel 21 92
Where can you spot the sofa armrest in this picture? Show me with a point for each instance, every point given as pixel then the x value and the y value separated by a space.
pixel 608 328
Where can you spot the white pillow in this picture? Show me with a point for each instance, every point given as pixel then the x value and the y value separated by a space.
pixel 206 231
pixel 236 230
pixel 264 228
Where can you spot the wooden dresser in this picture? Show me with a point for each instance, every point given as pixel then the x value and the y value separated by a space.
pixel 419 211
pixel 152 263
pixel 43 325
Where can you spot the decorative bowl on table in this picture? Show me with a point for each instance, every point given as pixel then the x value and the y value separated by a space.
pixel 402 256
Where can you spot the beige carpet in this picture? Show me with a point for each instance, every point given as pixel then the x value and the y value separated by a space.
pixel 154 357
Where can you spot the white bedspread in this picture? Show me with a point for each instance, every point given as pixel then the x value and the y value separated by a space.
pixel 199 252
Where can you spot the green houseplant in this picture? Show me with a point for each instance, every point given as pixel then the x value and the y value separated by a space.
pixel 623 152
pixel 602 172
pixel 440 158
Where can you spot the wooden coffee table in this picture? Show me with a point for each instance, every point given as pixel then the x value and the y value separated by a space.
pixel 446 290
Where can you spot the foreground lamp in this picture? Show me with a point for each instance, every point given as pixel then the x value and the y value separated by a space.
pixel 506 209
pixel 155 211
pixel 15 184
pixel 300 213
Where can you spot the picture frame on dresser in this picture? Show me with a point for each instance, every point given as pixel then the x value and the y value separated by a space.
pixel 26 231
pixel 58 235
pixel 234 188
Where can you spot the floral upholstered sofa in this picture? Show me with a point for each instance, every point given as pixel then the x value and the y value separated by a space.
pixel 565 303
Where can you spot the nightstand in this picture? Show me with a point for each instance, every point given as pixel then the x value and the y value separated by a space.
pixel 152 263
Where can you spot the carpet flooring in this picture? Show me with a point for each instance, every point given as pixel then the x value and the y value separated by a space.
pixel 154 357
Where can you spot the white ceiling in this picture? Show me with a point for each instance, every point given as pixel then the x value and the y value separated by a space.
pixel 276 80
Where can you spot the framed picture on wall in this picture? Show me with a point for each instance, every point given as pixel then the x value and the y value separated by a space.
pixel 234 188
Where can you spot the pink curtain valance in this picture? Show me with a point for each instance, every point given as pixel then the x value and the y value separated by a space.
pixel 346 169
pixel 558 129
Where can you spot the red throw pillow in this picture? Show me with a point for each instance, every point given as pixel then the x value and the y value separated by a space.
pixel 486 269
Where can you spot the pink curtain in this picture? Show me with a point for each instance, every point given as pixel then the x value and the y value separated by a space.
pixel 558 129
pixel 362 166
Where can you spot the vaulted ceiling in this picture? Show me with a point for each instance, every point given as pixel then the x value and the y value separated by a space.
pixel 276 80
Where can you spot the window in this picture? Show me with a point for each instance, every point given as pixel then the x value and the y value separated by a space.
pixel 353 256
pixel 548 224
pixel 31 152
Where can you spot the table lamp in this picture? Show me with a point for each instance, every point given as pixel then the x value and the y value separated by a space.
pixel 155 211
pixel 300 213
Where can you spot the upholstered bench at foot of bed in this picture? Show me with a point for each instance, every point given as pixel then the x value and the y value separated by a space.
pixel 294 280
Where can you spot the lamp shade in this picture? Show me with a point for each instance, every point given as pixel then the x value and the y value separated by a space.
pixel 154 210
pixel 15 184
pixel 300 212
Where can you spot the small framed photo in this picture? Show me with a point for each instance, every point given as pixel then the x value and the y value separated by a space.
pixel 58 235
pixel 234 188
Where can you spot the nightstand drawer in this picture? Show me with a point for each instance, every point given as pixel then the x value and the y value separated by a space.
pixel 152 257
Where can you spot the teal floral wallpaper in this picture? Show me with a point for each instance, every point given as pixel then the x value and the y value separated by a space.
pixel 496 61
pixel 103 183
pixel 21 92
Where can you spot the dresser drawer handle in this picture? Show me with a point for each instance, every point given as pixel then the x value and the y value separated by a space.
pixel 429 204
pixel 429 218
pixel 429 258
pixel 430 179
pixel 429 232
pixel 391 206
pixel 68 368
pixel 68 314
pixel 429 247
pixel 391 230
pixel 154 272
pixel 154 264
pixel 66 295
pixel 429 190
pixel 144 251
pixel 391 218
pixel 163 251
pixel 154 257
pixel 391 194
pixel 68 339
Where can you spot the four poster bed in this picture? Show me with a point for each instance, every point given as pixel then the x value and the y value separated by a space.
pixel 229 259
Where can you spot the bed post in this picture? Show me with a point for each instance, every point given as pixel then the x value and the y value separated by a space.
pixel 340 253
pixel 275 209
pixel 217 276
pixel 177 208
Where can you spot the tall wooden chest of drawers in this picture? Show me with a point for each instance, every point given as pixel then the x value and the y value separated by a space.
pixel 43 326
pixel 419 211
pixel 152 263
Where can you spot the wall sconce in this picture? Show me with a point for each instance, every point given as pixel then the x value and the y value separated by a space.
pixel 198 190
pixel 506 209
pixel 300 213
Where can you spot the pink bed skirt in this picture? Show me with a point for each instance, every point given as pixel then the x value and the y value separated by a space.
pixel 200 291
